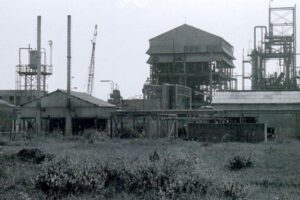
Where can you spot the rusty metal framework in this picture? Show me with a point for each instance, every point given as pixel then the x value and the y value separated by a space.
pixel 277 42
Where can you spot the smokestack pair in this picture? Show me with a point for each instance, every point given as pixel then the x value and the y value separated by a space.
pixel 68 122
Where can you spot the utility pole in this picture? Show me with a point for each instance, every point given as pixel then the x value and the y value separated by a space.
pixel 68 122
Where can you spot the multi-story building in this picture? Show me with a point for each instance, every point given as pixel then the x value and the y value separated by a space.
pixel 193 58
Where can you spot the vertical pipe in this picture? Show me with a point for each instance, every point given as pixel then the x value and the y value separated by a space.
pixel 38 105
pixel 44 76
pixel 295 48
pixel 191 94
pixel 210 78
pixel 243 72
pixel 68 122
pixel 266 132
pixel 69 58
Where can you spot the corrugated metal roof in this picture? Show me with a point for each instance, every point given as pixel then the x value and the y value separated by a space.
pixel 256 97
pixel 5 104
pixel 93 100
pixel 177 39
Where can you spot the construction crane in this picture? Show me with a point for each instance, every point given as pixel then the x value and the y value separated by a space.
pixel 92 65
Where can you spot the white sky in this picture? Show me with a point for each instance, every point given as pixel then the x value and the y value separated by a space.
pixel 124 28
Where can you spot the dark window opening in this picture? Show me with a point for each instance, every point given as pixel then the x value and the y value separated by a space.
pixel 270 132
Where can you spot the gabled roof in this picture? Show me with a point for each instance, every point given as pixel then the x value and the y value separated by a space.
pixel 184 31
pixel 257 97
pixel 85 97
pixel 82 96
pixel 175 41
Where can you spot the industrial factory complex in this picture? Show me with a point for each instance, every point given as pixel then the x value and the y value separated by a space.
pixel 191 93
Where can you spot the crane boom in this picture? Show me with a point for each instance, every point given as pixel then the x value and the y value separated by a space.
pixel 92 65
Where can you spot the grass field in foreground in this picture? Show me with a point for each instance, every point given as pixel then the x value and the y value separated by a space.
pixel 274 174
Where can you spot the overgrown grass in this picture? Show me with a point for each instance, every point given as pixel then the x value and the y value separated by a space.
pixel 150 169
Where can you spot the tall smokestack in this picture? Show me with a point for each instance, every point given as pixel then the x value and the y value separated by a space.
pixel 69 57
pixel 68 124
pixel 38 106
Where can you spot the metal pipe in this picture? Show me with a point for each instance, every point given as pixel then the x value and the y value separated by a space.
pixel 295 46
pixel 51 46
pixel 68 122
pixel 38 105
pixel 243 71
pixel 210 77
pixel 256 27
pixel 69 57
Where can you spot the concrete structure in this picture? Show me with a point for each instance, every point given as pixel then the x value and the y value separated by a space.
pixel 279 110
pixel 193 58
pixel 87 111
pixel 167 97
pixel 7 115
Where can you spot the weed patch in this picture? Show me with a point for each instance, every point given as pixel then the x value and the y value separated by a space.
pixel 234 190
pixel 239 162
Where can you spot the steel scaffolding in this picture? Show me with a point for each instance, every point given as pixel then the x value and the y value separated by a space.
pixel 26 72
pixel 275 42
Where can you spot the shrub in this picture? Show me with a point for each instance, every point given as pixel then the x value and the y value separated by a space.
pixel 234 190
pixel 64 178
pixel 3 142
pixel 166 177
pixel 239 162
pixel 33 155
pixel 127 133
pixel 153 156
pixel 2 173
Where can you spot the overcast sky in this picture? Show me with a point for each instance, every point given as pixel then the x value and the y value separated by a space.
pixel 125 27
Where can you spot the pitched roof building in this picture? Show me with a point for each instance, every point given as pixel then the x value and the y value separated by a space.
pixel 87 111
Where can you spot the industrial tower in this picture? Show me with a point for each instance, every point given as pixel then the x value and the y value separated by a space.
pixel 277 42
pixel 91 75
pixel 27 71
pixel 192 58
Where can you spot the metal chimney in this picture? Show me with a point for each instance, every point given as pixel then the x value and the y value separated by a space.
pixel 38 106
pixel 68 124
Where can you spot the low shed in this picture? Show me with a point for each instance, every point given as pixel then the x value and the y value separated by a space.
pixel 279 110
pixel 87 111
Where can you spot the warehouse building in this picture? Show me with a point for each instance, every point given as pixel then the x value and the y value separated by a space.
pixel 87 112
pixel 279 110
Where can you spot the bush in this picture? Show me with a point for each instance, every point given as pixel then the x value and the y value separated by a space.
pixel 33 155
pixel 167 177
pixel 2 173
pixel 64 178
pixel 127 133
pixel 153 156
pixel 3 142
pixel 234 190
pixel 239 162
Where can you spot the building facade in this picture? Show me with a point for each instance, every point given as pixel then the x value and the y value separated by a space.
pixel 279 110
